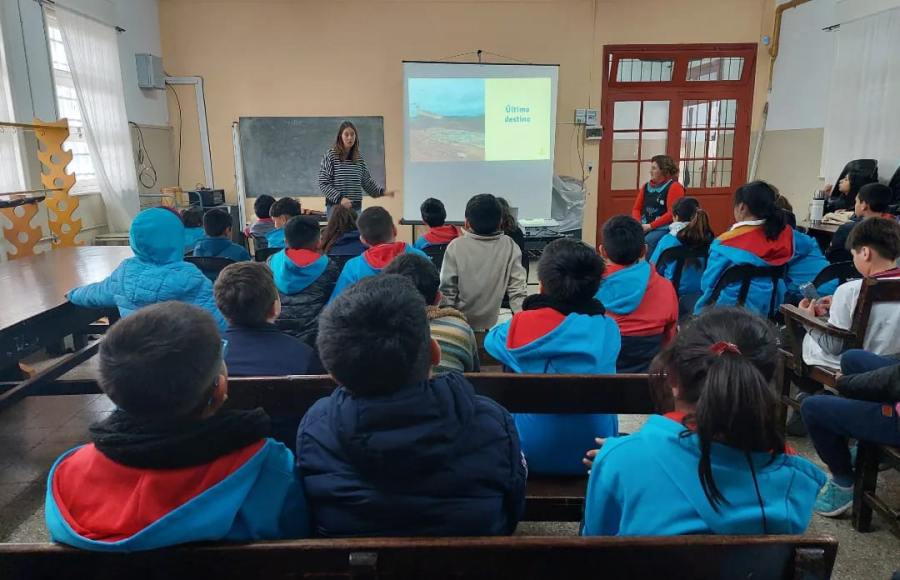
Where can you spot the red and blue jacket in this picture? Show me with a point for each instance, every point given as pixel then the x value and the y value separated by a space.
pixel 370 263
pixel 546 341
pixel 746 244
pixel 437 236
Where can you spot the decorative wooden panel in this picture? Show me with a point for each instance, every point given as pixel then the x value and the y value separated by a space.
pixel 20 218
pixel 60 205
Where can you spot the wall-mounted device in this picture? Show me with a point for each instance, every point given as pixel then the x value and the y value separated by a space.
pixel 594 133
pixel 150 73
pixel 580 115
pixel 590 117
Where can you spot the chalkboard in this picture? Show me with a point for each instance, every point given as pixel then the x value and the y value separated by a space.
pixel 282 155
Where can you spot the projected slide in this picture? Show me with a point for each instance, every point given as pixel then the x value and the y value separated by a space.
pixel 494 119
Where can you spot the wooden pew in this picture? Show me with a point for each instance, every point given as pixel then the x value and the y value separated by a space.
pixel 556 499
pixel 521 558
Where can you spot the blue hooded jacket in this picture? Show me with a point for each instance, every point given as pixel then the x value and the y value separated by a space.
pixel 221 248
pixel 260 500
pixel 305 281
pixel 806 264
pixel 370 263
pixel 690 277
pixel 191 237
pixel 579 344
pixel 646 484
pixel 434 459
pixel 157 273
pixel 275 238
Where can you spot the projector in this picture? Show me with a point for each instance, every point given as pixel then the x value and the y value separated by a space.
pixel 537 227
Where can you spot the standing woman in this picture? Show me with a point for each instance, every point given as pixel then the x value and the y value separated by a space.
pixel 653 206
pixel 343 175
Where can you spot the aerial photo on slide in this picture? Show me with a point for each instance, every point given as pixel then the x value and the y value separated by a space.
pixel 446 119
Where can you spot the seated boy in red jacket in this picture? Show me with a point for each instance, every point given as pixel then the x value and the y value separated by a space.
pixel 642 302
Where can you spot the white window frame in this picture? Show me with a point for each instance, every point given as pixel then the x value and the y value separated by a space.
pixel 85 182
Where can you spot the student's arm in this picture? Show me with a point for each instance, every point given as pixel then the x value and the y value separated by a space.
pixel 326 180
pixel 98 294
pixel 517 289
pixel 716 265
pixel 602 511
pixel 244 255
pixel 672 323
pixel 676 192
pixel 878 386
pixel 638 209
pixel 514 500
pixel 343 281
pixel 664 244
pixel 368 184
pixel 840 315
pixel 421 243
pixel 450 278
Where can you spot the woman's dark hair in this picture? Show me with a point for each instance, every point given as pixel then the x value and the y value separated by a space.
pixel 858 179
pixel 508 223
pixel 342 220
pixel 666 164
pixel 733 394
pixel 759 197
pixel 353 154
pixel 697 232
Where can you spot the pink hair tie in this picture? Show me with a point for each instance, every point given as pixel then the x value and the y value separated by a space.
pixel 721 347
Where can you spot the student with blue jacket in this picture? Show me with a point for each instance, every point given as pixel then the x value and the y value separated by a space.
pixel 156 273
pixel 168 466
pixel 565 330
pixel 282 210
pixel 217 242
pixel 192 218
pixel 716 464
pixel 761 237
pixel 689 227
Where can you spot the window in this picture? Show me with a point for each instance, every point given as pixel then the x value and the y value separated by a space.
pixel 67 106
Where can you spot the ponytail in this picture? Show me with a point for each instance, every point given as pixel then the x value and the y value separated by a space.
pixel 697 233
pixel 775 224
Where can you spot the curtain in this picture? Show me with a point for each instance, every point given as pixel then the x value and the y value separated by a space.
pixel 863 115
pixel 93 55
pixel 11 174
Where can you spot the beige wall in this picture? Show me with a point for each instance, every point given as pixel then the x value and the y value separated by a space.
pixel 791 160
pixel 327 57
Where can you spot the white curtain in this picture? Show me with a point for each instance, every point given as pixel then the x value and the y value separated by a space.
pixel 93 55
pixel 863 118
pixel 11 175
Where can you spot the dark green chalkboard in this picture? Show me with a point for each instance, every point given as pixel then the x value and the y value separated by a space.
pixel 282 155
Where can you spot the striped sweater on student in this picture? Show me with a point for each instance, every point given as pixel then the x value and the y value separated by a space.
pixel 339 179
pixel 459 351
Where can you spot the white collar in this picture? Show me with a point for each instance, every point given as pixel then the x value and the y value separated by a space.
pixel 748 223
pixel 676 227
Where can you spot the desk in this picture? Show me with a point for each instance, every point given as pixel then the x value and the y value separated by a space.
pixel 34 311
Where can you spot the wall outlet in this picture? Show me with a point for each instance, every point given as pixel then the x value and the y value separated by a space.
pixel 590 118
pixel 580 116
pixel 590 166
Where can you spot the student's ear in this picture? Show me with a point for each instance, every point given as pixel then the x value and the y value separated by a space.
pixel 643 252
pixel 318 248
pixel 438 298
pixel 275 310
pixel 228 232
pixel 219 395
pixel 603 253
pixel 435 351
pixel 467 226
pixel 395 231
pixel 364 241
pixel 540 287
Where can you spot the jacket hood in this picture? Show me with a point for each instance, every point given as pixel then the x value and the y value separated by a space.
pixel 296 270
pixel 380 256
pixel 431 417
pixel 275 238
pixel 157 236
pixel 623 288
pixel 784 484
pixel 442 234
pixel 749 245
pixel 212 246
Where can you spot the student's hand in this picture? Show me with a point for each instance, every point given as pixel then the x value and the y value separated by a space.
pixel 646 227
pixel 825 302
pixel 589 460
pixel 828 189
pixel 390 193
pixel 346 203
pixel 808 306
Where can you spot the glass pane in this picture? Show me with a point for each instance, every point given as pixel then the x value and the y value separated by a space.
pixel 627 115
pixel 656 115
pixel 637 70
pixel 718 173
pixel 645 172
pixel 693 173
pixel 625 146
pixel 693 144
pixel 695 114
pixel 653 143
pixel 724 113
pixel 716 69
pixel 722 143
pixel 624 176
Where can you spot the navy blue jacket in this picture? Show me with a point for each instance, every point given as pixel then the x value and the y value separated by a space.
pixel 430 460
pixel 262 351
pixel 348 245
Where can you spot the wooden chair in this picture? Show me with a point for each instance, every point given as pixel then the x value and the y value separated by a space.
pixel 744 275
pixel 679 255
pixel 263 254
pixel 436 254
pixel 210 265
pixel 839 255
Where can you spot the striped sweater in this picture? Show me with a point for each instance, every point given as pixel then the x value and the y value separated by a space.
pixel 339 179
pixel 459 351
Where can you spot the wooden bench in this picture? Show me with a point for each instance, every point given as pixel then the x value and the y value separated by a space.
pixel 520 558
pixel 556 499
pixel 792 369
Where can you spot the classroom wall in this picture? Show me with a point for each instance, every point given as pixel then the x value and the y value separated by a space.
pixel 326 57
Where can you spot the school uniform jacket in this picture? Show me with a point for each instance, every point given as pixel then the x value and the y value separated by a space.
pixel 690 276
pixel 437 236
pixel 806 263
pixel 305 281
pixel 370 263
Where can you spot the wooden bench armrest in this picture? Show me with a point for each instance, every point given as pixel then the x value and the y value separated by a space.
pixel 793 314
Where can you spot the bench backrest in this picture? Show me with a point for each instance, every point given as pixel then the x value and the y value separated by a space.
pixel 680 255
pixel 522 558
pixel 744 275
pixel 873 291
pixel 210 264
pixel 263 254
pixel 435 253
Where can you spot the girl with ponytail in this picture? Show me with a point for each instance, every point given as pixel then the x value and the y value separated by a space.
pixel 690 227
pixel 717 462
pixel 761 237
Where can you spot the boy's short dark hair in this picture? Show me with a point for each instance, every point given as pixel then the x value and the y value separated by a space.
pixel 215 222
pixel 376 225
pixel 483 212
pixel 192 217
pixel 262 207
pixel 286 206
pixel 571 270
pixel 623 239
pixel 245 292
pixel 162 361
pixel 302 233
pixel 877 195
pixel 374 338
pixel 420 271
pixel 880 234
pixel 433 212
